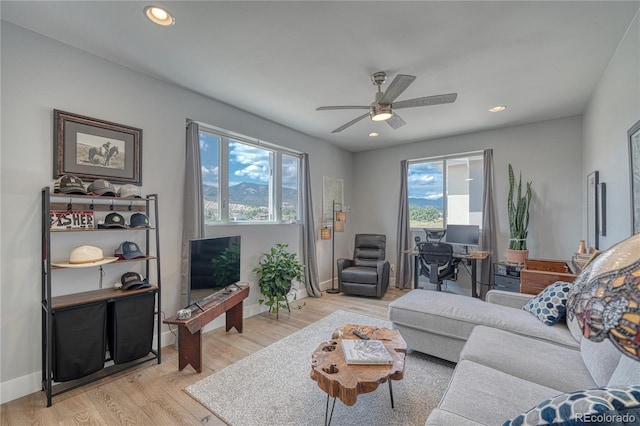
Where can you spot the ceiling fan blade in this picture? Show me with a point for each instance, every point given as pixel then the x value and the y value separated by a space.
pixel 352 122
pixel 427 100
pixel 325 108
pixel 395 89
pixel 396 121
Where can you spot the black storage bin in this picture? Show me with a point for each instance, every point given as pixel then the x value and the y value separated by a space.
pixel 130 327
pixel 79 336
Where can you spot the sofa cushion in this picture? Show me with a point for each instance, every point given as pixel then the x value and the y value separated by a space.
pixel 482 394
pixel 627 372
pixel 550 305
pixel 456 316
pixel 582 406
pixel 601 359
pixel 553 366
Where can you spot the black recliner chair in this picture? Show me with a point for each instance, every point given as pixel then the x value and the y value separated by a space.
pixel 367 274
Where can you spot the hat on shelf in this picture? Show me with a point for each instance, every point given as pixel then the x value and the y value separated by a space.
pixel 113 220
pixel 133 281
pixel 102 187
pixel 128 250
pixel 85 257
pixel 69 184
pixel 129 191
pixel 138 220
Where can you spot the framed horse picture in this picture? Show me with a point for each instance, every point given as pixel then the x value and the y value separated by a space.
pixel 95 149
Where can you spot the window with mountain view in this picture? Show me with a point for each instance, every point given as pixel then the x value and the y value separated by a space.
pixel 445 191
pixel 247 182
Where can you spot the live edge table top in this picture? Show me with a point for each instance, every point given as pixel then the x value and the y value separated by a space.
pixel 346 382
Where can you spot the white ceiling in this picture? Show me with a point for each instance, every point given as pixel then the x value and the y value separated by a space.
pixel 281 60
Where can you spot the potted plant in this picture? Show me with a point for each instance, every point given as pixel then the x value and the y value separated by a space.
pixel 518 209
pixel 276 272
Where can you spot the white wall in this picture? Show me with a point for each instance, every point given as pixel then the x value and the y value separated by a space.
pixel 613 109
pixel 548 153
pixel 39 75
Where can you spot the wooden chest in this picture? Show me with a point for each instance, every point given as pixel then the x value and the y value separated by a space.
pixel 539 273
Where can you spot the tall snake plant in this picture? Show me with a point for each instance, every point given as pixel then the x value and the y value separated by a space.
pixel 518 213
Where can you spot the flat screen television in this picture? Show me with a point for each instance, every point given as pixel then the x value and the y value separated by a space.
pixel 463 235
pixel 214 263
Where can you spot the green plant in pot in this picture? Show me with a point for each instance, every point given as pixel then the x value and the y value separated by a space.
pixel 518 209
pixel 276 272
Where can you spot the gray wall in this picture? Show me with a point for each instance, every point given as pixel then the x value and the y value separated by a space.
pixel 613 109
pixel 548 153
pixel 39 75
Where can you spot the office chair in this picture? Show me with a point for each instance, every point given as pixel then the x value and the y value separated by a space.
pixel 436 257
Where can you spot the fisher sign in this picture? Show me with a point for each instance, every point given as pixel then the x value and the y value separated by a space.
pixel 71 220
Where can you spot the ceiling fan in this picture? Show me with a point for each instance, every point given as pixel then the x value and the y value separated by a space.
pixel 382 109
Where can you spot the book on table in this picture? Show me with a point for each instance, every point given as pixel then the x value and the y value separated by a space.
pixel 366 352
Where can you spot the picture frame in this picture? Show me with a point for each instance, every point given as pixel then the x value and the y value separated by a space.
pixel 92 149
pixel 332 190
pixel 592 210
pixel 633 135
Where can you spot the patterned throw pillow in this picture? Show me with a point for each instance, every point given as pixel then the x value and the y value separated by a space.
pixel 618 405
pixel 551 304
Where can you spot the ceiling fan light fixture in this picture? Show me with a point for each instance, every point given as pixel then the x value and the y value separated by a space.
pixel 159 15
pixel 380 113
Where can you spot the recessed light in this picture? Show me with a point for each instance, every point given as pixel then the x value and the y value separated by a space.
pixel 498 108
pixel 159 15
pixel 374 134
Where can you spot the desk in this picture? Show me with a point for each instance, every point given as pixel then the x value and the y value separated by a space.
pixel 189 329
pixel 471 258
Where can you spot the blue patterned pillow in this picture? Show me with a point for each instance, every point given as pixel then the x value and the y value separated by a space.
pixel 551 304
pixel 618 405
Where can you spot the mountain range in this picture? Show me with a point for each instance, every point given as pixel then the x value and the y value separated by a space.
pixel 251 194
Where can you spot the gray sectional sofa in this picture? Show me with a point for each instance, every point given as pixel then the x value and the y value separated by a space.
pixel 508 361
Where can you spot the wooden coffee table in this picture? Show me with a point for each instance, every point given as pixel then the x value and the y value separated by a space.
pixel 346 382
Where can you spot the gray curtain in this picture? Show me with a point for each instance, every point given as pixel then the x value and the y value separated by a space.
pixel 403 272
pixel 489 239
pixel 192 208
pixel 309 234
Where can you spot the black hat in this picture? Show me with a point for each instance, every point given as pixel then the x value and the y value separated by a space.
pixel 69 184
pixel 133 281
pixel 113 220
pixel 138 220
pixel 102 187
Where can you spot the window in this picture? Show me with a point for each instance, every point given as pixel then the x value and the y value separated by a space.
pixel 246 180
pixel 445 191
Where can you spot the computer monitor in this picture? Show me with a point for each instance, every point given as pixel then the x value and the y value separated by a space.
pixel 464 235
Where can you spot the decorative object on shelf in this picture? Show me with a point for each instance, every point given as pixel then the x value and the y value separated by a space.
pixel 95 149
pixel 102 187
pixel 338 226
pixel 133 281
pixel 85 257
pixel 69 184
pixel 518 210
pixel 593 220
pixel 582 247
pixel 634 168
pixel 605 299
pixel 276 272
pixel 128 250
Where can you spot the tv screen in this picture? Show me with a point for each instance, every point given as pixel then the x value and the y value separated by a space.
pixel 464 235
pixel 214 263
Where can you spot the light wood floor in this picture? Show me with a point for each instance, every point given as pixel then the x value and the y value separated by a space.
pixel 152 394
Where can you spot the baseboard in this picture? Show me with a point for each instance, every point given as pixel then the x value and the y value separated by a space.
pixel 20 386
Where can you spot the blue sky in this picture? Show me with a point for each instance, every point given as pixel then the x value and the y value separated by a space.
pixel 246 163
pixel 424 181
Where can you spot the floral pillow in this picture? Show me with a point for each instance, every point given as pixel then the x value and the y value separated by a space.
pixel 618 405
pixel 550 305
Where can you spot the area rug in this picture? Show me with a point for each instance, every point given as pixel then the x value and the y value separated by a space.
pixel 273 386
